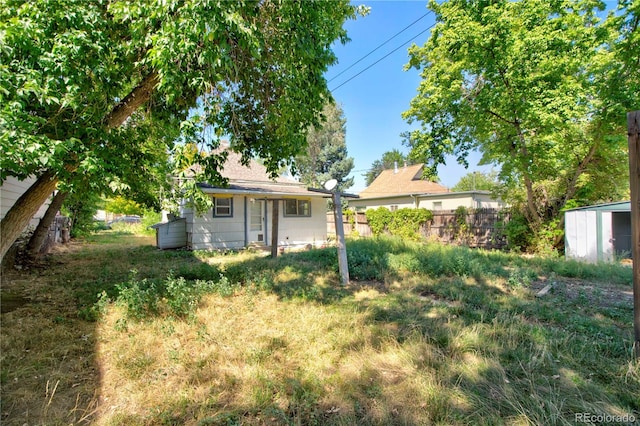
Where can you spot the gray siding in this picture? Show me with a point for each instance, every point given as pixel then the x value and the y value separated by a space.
pixel 207 232
pixel 172 234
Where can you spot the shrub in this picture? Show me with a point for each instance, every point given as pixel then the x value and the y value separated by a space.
pixel 517 231
pixel 378 219
pixel 176 296
pixel 407 223
pixel 140 298
pixel 462 228
pixel 182 297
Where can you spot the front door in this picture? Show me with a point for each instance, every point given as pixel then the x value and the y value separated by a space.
pixel 256 221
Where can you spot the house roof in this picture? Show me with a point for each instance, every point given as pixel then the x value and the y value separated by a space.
pixel 234 170
pixel 405 181
pixel 253 179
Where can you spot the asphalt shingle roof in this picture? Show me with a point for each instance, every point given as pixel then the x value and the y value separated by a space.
pixel 403 182
pixel 254 178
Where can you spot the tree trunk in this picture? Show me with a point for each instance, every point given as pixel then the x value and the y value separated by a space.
pixel 42 230
pixel 138 96
pixel 22 211
pixel 28 204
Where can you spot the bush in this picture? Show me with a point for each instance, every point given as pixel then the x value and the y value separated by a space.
pixel 174 296
pixel 139 298
pixel 405 222
pixel 378 219
pixel 517 231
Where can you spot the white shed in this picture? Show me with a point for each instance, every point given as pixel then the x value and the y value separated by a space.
pixel 172 234
pixel 598 233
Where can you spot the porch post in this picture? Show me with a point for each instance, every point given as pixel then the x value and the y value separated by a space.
pixel 274 230
pixel 246 223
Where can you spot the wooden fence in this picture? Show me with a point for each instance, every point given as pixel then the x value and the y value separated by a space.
pixel 478 228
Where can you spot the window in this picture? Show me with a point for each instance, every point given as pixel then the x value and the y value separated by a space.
pixel 437 205
pixel 297 208
pixel 393 208
pixel 222 207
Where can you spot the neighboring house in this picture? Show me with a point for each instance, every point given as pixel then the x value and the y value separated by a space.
pixel 11 190
pixel 242 212
pixel 598 233
pixel 403 187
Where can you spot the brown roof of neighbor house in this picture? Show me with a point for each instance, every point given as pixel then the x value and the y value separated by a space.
pixel 403 182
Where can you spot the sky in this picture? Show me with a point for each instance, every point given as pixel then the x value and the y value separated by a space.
pixel 374 100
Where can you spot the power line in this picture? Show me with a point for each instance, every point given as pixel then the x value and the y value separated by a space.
pixel 384 57
pixel 385 42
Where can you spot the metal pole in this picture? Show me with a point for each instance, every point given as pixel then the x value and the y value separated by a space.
pixel 633 126
pixel 342 247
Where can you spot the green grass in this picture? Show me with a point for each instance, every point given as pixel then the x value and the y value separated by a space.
pixel 424 334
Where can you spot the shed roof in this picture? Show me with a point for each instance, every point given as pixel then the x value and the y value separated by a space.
pixel 402 181
pixel 169 223
pixel 620 206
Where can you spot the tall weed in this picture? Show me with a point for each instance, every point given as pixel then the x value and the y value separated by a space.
pixel 139 297
pixel 174 296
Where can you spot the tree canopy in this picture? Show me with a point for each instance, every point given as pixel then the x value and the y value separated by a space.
pixel 477 181
pixel 540 88
pixel 326 156
pixel 388 161
pixel 75 74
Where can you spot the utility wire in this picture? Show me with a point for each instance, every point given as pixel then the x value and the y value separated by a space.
pixel 387 41
pixel 384 57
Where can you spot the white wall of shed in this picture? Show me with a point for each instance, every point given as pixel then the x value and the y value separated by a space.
pixel 581 236
pixel 172 235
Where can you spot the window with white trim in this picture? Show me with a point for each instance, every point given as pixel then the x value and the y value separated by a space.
pixel 299 208
pixel 222 207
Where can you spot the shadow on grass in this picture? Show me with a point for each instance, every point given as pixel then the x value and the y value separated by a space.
pixel 452 336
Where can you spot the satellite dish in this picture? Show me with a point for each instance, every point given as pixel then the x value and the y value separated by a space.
pixel 330 184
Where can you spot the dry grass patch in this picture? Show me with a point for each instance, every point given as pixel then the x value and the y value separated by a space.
pixel 426 335
pixel 244 351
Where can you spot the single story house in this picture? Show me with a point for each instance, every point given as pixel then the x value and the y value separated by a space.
pixel 403 187
pixel 241 215
pixel 598 233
